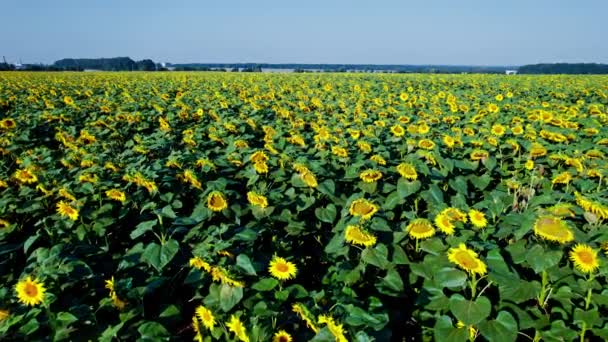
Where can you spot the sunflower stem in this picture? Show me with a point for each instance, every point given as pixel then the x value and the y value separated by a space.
pixel 473 286
pixel 543 289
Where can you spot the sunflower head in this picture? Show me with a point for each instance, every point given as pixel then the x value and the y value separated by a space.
pixel 205 316
pixel 30 291
pixel 257 199
pixel 467 259
pixel 282 336
pixel 420 229
pixel 216 201
pixel 357 236
pixel 407 171
pixel 478 219
pixel 363 208
pixel 584 258
pixel 370 176
pixel 66 210
pixel 282 269
pixel 553 229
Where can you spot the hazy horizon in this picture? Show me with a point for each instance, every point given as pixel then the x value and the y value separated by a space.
pixel 471 33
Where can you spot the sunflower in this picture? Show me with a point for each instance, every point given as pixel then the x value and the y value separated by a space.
pixel 116 195
pixel 397 130
pixel 4 314
pixel 198 336
pixel 190 177
pixel 4 224
pixel 356 236
pixel 498 130
pixel 336 329
pixel 478 219
pixel 25 176
pixel 529 165
pixel 257 199
pixel 260 167
pixel 7 124
pixel 584 258
pixel 376 158
pixel 236 326
pixel 282 269
pixel 444 223
pixel 420 229
pixel 68 100
pixel 448 141
pixel 594 207
pixel 282 336
pixel 363 208
pixel 370 176
pixel 199 264
pixel 517 130
pixel 216 201
pixel 66 210
pixel 467 259
pixel 305 315
pixel 426 144
pixel 30 291
pixel 553 229
pixel 309 179
pixel 562 178
pixel 407 171
pixel 479 155
pixel 205 316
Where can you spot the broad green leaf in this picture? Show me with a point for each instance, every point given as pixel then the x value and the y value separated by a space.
pixel 243 262
pixel 159 256
pixel 470 312
pixel 502 329
pixel 230 296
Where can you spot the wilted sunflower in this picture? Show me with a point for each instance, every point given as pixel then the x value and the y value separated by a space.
pixel 553 229
pixel 562 178
pixel 356 236
pixel 257 199
pixel 363 208
pixel 478 219
pixel 216 201
pixel 370 176
pixel 407 171
pixel 116 195
pixel 282 336
pixel 282 269
pixel 420 229
pixel 205 316
pixel 584 258
pixel 30 291
pixel 66 210
pixel 467 259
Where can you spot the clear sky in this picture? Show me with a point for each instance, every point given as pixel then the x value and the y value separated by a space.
pixel 477 32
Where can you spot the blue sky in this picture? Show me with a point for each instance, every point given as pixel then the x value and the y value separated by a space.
pixel 311 31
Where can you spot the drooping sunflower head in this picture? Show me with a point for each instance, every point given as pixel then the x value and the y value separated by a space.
pixel 116 195
pixel 357 236
pixel 282 269
pixel 26 176
pixel 553 229
pixel 407 171
pixel 363 208
pixel 30 291
pixel 257 199
pixel 282 336
pixel 66 210
pixel 420 229
pixel 309 179
pixel 370 176
pixel 479 155
pixel 445 223
pixel 216 201
pixel 584 258
pixel 467 259
pixel 426 144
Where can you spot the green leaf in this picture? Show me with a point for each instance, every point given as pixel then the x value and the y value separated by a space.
pixel 444 330
pixel 324 335
pixel 66 318
pixel 470 312
pixel 159 256
pixel 153 331
pixel 502 329
pixel 168 212
pixel 243 261
pixel 540 260
pixel 450 277
pixel 265 284
pixel 170 311
pixel 327 187
pixel 327 214
pixel 459 184
pixel 377 256
pixel 589 317
pixel 393 281
pixel 230 296
pixel 358 317
pixel 392 200
pixel 435 195
pixel 406 188
pixel 142 228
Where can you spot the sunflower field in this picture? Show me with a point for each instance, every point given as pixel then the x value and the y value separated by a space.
pixel 303 207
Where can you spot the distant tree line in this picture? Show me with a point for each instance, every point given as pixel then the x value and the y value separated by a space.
pixel 106 64
pixel 564 68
